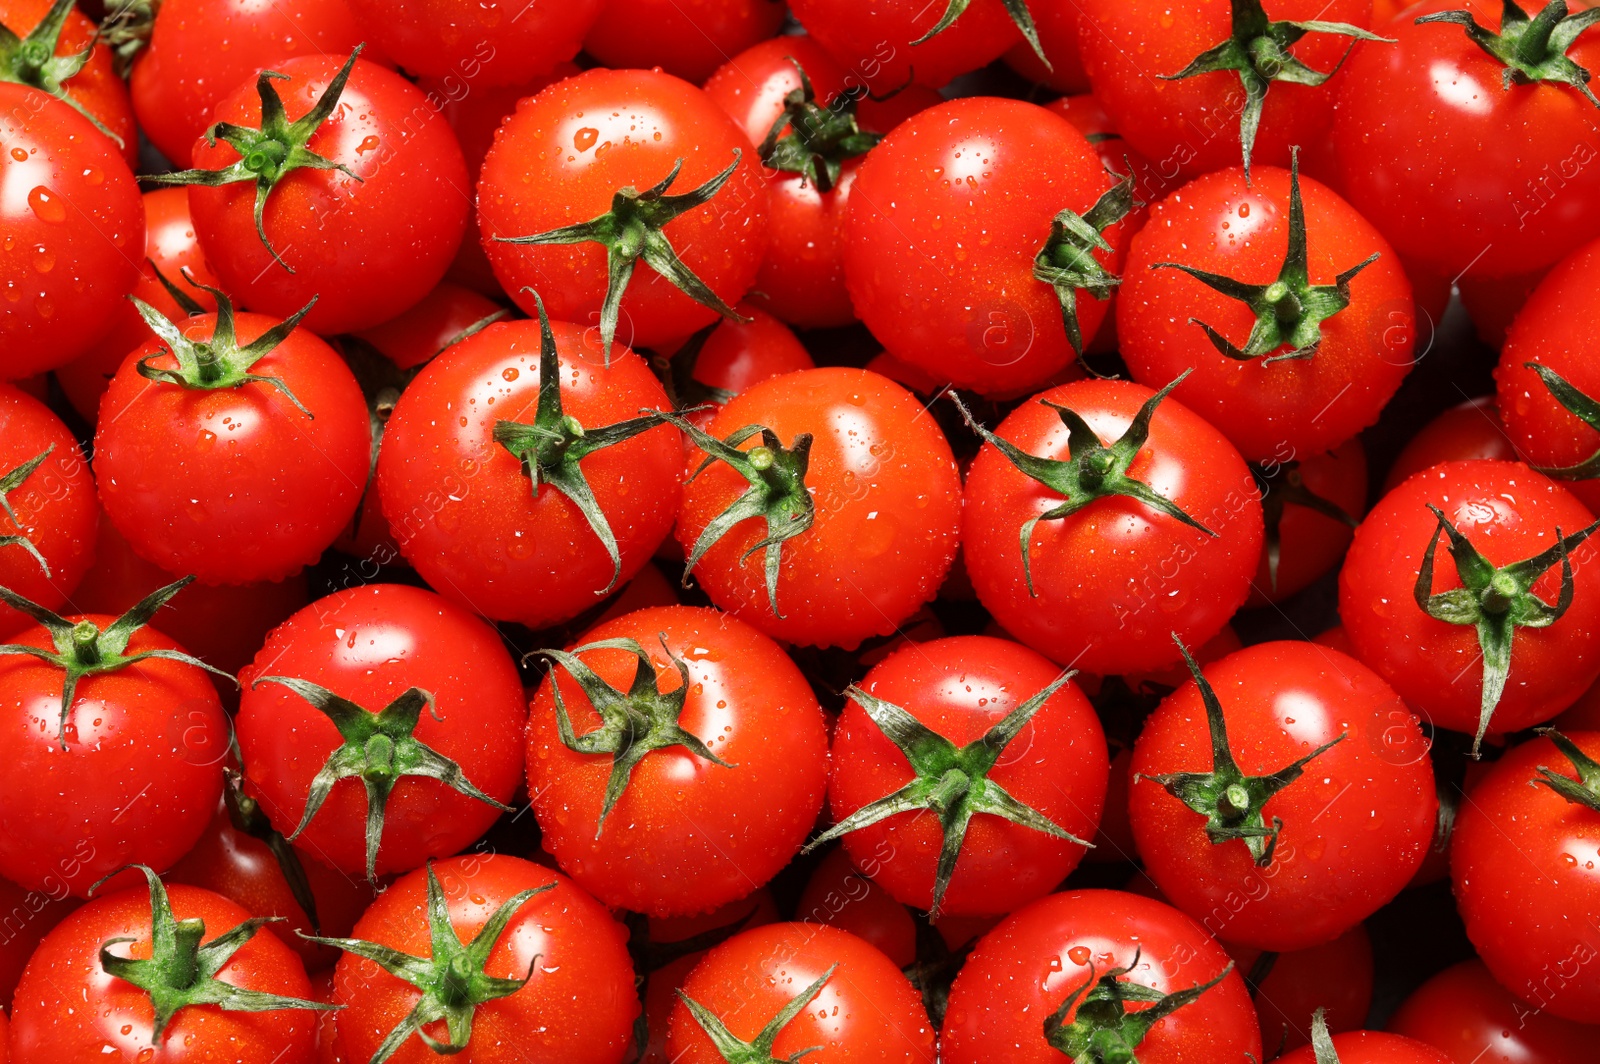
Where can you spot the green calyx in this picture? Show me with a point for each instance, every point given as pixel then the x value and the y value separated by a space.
pixel 219 362
pixel 126 30
pixel 247 817
pixel 952 782
pixel 1289 311
pixel 551 448
pixel 453 981
pixel 1017 9
pixel 1585 790
pixel 1532 50
pixel 1232 802
pixel 1066 262
pixel 632 231
pixel 758 1050
pixel 9 483
pixel 181 971
pixel 777 493
pixel 820 138
pixel 633 722
pixel 1321 1039
pixel 84 649
pixel 379 749
pixel 1579 406
pixel 1495 601
pixel 676 372
pixel 1280 486
pixel 269 154
pixel 32 61
pixel 1092 470
pixel 1258 51
pixel 1102 1030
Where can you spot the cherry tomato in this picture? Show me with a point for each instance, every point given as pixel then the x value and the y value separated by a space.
pixel 1466 431
pixel 1336 976
pixel 95 90
pixel 1372 1047
pixel 1056 22
pixel 577 1005
pixel 1319 500
pixel 732 357
pixel 1494 302
pixel 237 483
pixel 75 216
pixel 425 330
pixel 886 44
pixel 687 41
pixel 1464 1012
pixel 26 916
pixel 1116 576
pixel 686 833
pixel 1027 973
pixel 1508 513
pixel 374 647
pixel 839 896
pixel 491 45
pixel 858 1005
pixel 47 527
pixel 880 487
pixel 1458 164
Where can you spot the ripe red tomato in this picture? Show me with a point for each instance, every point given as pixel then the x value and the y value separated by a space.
pixel 223 475
pixel 495 44
pixel 1014 999
pixel 944 721
pixel 860 478
pixel 689 42
pixel 1508 513
pixel 1288 987
pixel 563 160
pixel 857 1006
pixel 1131 50
pixel 577 1004
pixel 374 647
pixel 47 507
pixel 1493 303
pixel 1117 575
pixel 1550 332
pixel 332 233
pixel 437 322
pixel 1056 22
pixel 1329 803
pixel 26 916
pixel 1370 1047
pixel 1457 165
pixel 95 90
pixel 170 247
pixel 840 896
pixel 712 367
pixel 1520 861
pixel 64 263
pixel 1271 407
pixel 1311 507
pixel 463 506
pixel 1464 1012
pixel 629 804
pixel 201 50
pixel 130 773
pixel 70 1005
pixel 951 223
pixel 887 44
pixel 1466 431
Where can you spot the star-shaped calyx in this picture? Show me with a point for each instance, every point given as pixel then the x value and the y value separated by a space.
pixel 32 61
pixel 758 1050
pixel 821 138
pixel 1102 1030
pixel 1066 262
pixel 1020 16
pixel 1532 49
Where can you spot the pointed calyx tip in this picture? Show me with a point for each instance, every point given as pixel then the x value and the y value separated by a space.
pixel 1531 49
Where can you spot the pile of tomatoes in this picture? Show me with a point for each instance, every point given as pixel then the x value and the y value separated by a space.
pixel 733 532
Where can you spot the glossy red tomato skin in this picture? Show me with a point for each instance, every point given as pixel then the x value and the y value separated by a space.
pixel 1281 701
pixel 874 41
pixel 96 88
pixel 738 355
pixel 28 916
pixel 234 485
pixel 171 247
pixel 367 249
pixel 1493 303
pixel 528 558
pixel 1509 513
pixel 887 519
pixel 1520 861
pixel 686 40
pixel 867 1010
pixel 961 687
pixel 55 507
pixel 491 45
pixel 1313 543
pixel 65 265
pixel 370 645
pixel 138 781
pixel 1024 969
pixel 430 326
pixel 69 1009
pixel 1193 123
pixel 1287 409
pixel 1550 331
pixel 1469 430
pixel 201 50
pixel 578 1006
pixel 561 158
pixel 1469 1016
pixel 840 896
pixel 947 215
pixel 1336 976
pixel 1439 154
pixel 1056 22
pixel 1106 601
pixel 1373 1047
pixel 687 835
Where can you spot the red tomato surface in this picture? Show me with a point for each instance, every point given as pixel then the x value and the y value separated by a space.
pixel 688 40
pixel 1312 543
pixel 739 354
pixel 96 88
pixel 503 42
pixel 1466 431
pixel 1056 22
pixel 1464 1012
pixel 1494 302
pixel 1336 976
pixel 26 916
pixel 874 41
pixel 840 896
pixel 1373 1047
pixel 430 326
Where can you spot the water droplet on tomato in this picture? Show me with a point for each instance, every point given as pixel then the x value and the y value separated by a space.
pixel 47 205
